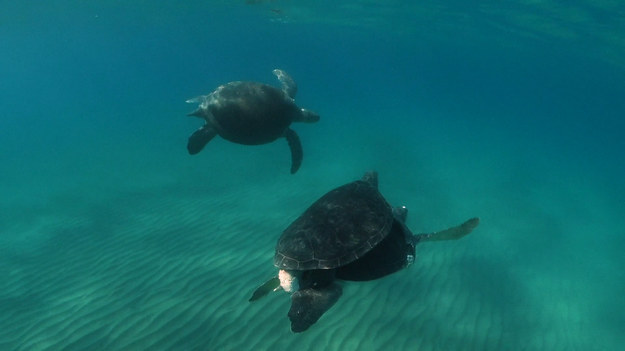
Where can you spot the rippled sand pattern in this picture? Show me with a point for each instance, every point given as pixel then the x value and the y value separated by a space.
pixel 172 269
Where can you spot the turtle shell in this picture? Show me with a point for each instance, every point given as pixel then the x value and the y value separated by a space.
pixel 251 113
pixel 337 229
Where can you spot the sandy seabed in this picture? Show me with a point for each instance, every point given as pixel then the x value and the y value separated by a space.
pixel 171 266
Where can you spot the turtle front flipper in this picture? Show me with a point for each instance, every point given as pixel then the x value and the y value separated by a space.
pixel 272 284
pixel 452 233
pixel 200 138
pixel 308 305
pixel 297 153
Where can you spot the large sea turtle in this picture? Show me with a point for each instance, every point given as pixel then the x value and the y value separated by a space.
pixel 350 233
pixel 251 113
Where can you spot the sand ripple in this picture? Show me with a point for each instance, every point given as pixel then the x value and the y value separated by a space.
pixel 156 272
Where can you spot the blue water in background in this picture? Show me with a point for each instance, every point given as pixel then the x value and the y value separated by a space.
pixel 523 118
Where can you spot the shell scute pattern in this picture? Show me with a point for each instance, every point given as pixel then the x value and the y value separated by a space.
pixel 337 229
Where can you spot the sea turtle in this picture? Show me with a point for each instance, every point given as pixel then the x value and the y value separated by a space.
pixel 251 113
pixel 350 233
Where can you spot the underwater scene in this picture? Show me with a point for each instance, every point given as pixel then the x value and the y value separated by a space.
pixel 164 163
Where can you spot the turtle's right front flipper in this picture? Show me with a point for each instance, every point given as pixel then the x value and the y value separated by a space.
pixel 308 305
pixel 297 153
pixel 200 138
pixel 452 233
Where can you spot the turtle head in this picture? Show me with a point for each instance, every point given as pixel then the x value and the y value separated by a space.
pixel 289 280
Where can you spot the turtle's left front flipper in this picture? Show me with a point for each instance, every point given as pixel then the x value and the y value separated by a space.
pixel 452 233
pixel 297 153
pixel 308 305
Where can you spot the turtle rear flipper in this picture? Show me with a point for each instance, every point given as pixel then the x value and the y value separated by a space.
pixel 297 153
pixel 452 233
pixel 308 305
pixel 200 138
pixel 306 116
pixel 272 284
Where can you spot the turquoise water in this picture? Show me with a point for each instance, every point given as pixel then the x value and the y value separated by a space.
pixel 113 238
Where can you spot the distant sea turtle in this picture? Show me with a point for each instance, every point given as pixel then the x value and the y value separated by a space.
pixel 350 233
pixel 251 113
